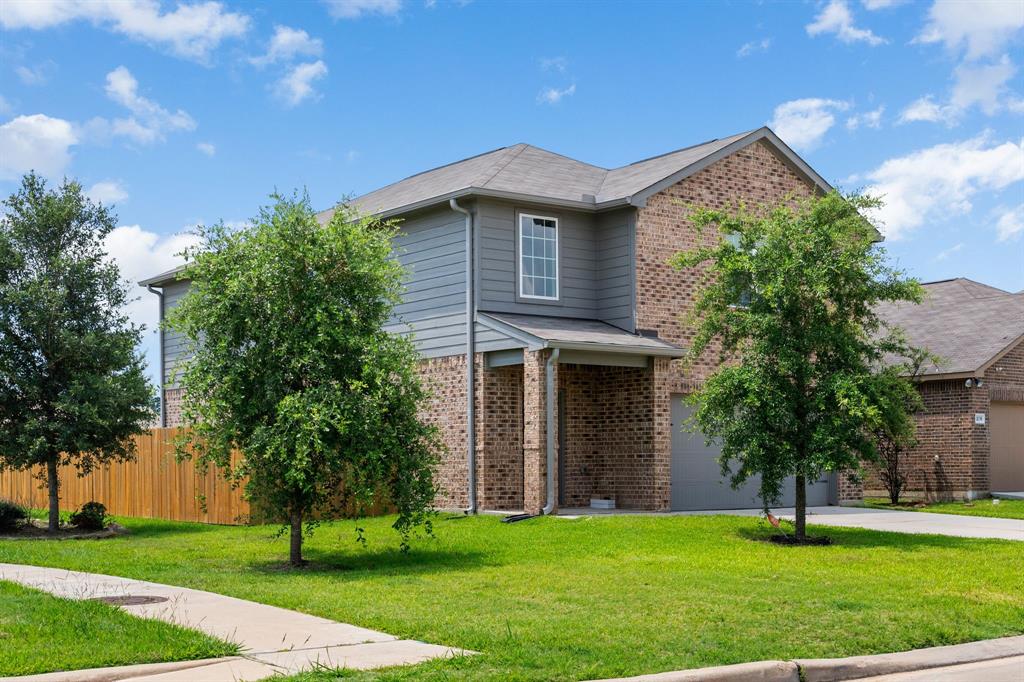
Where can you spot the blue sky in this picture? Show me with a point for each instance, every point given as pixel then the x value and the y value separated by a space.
pixel 191 112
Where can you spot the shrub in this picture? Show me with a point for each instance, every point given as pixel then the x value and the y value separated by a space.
pixel 11 515
pixel 90 516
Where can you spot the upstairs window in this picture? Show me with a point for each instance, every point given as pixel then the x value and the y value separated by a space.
pixel 538 257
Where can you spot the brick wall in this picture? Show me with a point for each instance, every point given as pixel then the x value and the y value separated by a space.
pixel 952 456
pixel 172 406
pixel 609 435
pixel 499 438
pixel 445 378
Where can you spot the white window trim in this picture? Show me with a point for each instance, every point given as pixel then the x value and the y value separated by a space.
pixel 519 258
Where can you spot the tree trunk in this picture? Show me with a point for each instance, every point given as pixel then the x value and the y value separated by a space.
pixel 295 554
pixel 54 486
pixel 801 507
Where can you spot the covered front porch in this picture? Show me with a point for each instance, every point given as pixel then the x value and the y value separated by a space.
pixel 580 400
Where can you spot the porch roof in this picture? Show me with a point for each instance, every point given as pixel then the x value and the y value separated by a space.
pixel 541 331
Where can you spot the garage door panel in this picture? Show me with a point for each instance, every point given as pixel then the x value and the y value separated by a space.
pixel 1006 463
pixel 697 481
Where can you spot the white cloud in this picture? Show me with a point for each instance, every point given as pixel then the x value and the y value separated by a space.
pixel 982 28
pixel 37 142
pixel 297 85
pixel 946 253
pixel 107 192
pixel 923 109
pixel 747 49
pixel 555 95
pixel 36 75
pixel 836 18
pixel 1010 224
pixel 206 148
pixel 869 119
pixel 802 123
pixel 872 5
pixel 149 121
pixel 192 30
pixel 354 9
pixel 940 181
pixel 288 43
pixel 559 64
pixel 984 86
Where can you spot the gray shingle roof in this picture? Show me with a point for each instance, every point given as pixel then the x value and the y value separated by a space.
pixel 523 171
pixel 565 332
pixel 966 323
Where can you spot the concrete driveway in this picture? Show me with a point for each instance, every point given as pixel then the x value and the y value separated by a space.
pixel 898 521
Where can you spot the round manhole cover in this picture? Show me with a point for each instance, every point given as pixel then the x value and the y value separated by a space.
pixel 130 600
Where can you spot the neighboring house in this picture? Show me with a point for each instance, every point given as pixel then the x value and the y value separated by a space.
pixel 971 431
pixel 553 276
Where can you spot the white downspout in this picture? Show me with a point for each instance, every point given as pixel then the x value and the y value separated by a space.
pixel 470 357
pixel 549 401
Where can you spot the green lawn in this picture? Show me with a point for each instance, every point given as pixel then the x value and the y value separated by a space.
pixel 1003 509
pixel 41 633
pixel 550 599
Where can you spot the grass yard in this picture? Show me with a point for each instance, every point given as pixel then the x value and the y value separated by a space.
pixel 41 633
pixel 551 599
pixel 1003 509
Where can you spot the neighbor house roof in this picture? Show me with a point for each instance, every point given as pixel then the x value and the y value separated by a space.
pixel 541 331
pixel 969 325
pixel 527 173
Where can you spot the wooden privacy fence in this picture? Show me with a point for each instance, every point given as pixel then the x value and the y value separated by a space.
pixel 153 485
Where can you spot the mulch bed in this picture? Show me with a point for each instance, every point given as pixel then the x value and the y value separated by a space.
pixel 792 540
pixel 36 530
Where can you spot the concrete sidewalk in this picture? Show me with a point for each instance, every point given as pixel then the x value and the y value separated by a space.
pixel 898 521
pixel 273 640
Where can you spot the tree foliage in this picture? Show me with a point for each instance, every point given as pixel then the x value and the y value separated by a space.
pixel 896 430
pixel 291 366
pixel 72 386
pixel 799 392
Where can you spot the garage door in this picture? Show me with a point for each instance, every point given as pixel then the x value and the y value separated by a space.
pixel 697 482
pixel 1006 465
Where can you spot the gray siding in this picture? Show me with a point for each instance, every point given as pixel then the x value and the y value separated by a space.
pixel 595 260
pixel 432 248
pixel 174 343
pixel 616 269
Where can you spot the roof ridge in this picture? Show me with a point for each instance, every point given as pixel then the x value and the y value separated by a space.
pixel 502 165
pixel 435 168
pixel 683 149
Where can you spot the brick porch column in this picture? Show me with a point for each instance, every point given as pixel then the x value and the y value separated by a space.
pixel 535 430
pixel 661 418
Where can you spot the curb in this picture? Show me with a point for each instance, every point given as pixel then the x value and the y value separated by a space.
pixel 856 667
pixel 840 669
pixel 121 672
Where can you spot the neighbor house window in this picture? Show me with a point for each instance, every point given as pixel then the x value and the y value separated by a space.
pixel 538 257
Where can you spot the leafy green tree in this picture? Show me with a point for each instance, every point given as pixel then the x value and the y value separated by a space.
pixel 788 300
pixel 72 387
pixel 291 366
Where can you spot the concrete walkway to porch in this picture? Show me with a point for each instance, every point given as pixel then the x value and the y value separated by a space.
pixel 273 640
pixel 872 519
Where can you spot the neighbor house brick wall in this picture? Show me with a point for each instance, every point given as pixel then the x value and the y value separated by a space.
pixel 1005 378
pixel 173 398
pixel 950 460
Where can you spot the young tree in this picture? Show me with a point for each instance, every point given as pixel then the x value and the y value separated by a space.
pixel 72 387
pixel 896 430
pixel 789 294
pixel 292 367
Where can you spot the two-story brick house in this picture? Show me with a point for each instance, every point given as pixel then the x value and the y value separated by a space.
pixel 549 321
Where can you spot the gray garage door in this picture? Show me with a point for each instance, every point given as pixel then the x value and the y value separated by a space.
pixel 697 482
